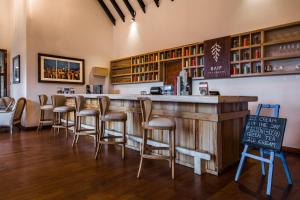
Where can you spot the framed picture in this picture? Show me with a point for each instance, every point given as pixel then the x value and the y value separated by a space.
pixel 59 69
pixel 16 70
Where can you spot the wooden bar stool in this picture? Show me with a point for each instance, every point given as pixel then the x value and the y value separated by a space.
pixel 157 123
pixel 107 116
pixel 82 112
pixel 44 107
pixel 59 109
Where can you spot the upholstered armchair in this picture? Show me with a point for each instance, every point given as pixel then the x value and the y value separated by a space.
pixel 12 117
pixel 6 103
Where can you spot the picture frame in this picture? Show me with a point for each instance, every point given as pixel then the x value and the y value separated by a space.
pixel 16 69
pixel 60 69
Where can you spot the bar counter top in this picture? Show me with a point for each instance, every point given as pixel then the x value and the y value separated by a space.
pixel 175 98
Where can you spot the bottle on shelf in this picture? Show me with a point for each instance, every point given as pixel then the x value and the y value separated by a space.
pixel 235 42
pixel 245 41
pixel 258 68
pixel 268 68
pixel 257 54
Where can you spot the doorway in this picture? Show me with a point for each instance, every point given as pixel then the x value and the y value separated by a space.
pixel 3 73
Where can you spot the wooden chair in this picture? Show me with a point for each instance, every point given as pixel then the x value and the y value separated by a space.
pixel 14 116
pixel 44 107
pixel 82 112
pixel 59 109
pixel 275 113
pixel 158 123
pixel 107 116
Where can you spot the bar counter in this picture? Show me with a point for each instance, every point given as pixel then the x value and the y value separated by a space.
pixel 208 128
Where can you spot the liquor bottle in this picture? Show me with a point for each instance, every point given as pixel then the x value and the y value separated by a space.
pixel 257 54
pixel 245 42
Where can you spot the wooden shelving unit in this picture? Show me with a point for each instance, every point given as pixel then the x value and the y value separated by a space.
pixel 266 52
pixel 193 60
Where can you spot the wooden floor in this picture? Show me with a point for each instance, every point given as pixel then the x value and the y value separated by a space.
pixel 46 167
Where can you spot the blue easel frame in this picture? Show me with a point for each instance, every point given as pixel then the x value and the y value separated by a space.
pixel 275 113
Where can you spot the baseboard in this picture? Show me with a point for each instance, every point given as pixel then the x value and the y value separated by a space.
pixel 291 150
pixel 31 128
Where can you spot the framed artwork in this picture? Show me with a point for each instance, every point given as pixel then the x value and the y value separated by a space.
pixel 16 70
pixel 59 69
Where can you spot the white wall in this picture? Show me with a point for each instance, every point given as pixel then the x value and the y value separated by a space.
pixel 72 28
pixel 19 46
pixel 6 28
pixel 182 22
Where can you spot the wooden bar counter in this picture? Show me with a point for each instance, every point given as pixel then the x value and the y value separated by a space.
pixel 208 128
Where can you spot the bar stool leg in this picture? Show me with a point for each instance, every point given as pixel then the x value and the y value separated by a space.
pixel 170 148
pixel 75 130
pixel 78 128
pixel 99 145
pixel 173 153
pixel 67 125
pixel 142 152
pixel 124 140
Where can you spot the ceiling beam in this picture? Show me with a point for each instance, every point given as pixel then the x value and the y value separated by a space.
pixel 156 2
pixel 129 7
pixel 107 12
pixel 142 5
pixel 117 8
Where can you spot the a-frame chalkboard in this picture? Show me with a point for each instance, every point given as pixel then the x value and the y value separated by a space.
pixel 265 132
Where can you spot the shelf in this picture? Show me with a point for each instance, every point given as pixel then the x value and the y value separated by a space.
pixel 246 47
pixel 147 72
pixel 171 59
pixel 245 61
pixel 194 67
pixel 192 56
pixel 256 45
pixel 266 74
pixel 145 63
pixel 281 57
pixel 120 67
pixel 235 62
pixel 120 75
pixel 148 81
pixel 281 41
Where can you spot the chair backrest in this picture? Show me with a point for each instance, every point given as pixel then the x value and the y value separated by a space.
pixel 19 108
pixel 7 103
pixel 43 99
pixel 79 103
pixel 104 103
pixel 274 107
pixel 58 100
pixel 146 107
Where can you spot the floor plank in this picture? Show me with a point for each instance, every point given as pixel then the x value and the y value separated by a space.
pixel 47 167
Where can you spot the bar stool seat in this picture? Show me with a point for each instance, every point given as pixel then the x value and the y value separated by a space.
pixel 160 122
pixel 62 109
pixel 87 112
pixel 46 107
pixel 115 116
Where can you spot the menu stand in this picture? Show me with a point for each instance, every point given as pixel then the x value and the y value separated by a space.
pixel 262 151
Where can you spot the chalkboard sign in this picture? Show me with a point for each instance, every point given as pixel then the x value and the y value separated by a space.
pixel 265 132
